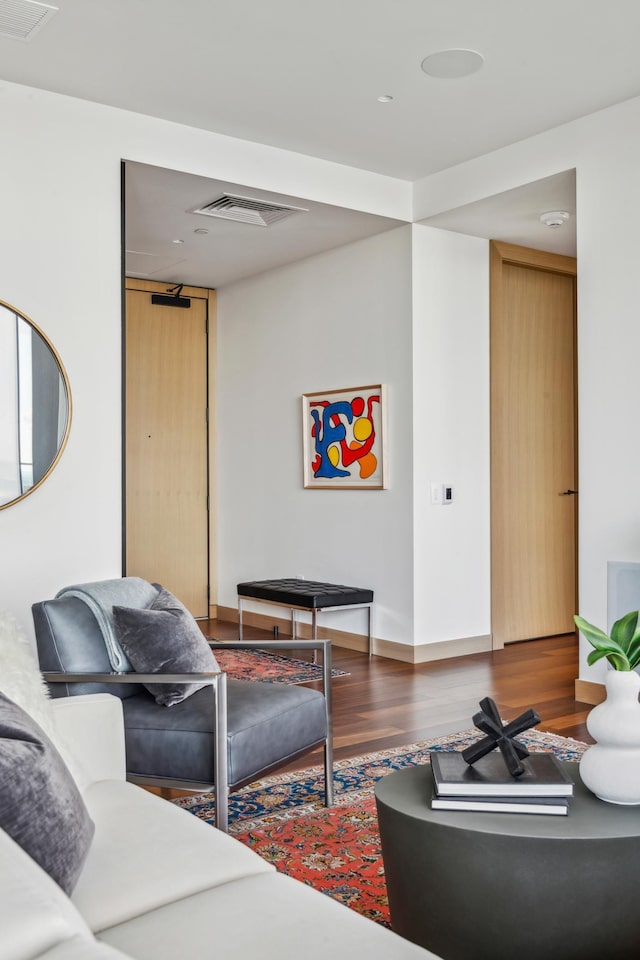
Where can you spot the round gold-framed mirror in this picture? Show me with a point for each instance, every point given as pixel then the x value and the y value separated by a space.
pixel 35 406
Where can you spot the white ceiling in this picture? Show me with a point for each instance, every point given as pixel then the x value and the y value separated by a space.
pixel 158 202
pixel 514 216
pixel 306 77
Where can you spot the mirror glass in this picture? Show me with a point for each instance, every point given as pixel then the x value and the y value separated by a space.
pixel 35 406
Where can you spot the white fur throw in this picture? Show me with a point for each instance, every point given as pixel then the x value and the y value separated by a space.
pixel 20 677
pixel 22 682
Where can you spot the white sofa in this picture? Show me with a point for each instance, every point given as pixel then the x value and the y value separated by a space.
pixel 159 884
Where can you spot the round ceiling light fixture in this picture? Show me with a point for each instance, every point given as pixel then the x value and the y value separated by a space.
pixel 201 231
pixel 452 64
pixel 554 218
pixel 385 98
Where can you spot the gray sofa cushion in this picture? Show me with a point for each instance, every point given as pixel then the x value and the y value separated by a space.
pixel 164 638
pixel 40 805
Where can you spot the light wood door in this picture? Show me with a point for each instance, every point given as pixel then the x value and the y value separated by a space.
pixel 166 447
pixel 533 444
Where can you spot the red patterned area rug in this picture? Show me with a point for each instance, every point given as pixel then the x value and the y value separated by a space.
pixel 268 666
pixel 337 850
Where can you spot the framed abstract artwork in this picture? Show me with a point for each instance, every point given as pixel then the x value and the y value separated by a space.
pixel 344 438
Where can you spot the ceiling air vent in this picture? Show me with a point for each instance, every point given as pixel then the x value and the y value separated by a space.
pixel 21 19
pixel 261 213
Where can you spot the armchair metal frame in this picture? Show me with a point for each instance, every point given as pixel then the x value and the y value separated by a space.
pixel 218 681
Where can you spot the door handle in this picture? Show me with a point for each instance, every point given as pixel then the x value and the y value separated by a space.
pixel 568 493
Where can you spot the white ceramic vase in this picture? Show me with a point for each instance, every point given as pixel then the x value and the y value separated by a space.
pixel 611 767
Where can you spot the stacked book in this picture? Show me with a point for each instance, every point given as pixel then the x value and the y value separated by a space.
pixel 487 786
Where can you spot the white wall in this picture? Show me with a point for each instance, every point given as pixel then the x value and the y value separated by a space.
pixel 340 319
pixel 451 434
pixel 427 338
pixel 60 264
pixel 605 150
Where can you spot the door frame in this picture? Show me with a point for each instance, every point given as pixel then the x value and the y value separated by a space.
pixel 501 253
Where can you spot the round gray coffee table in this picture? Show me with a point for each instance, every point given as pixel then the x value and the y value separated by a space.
pixel 504 886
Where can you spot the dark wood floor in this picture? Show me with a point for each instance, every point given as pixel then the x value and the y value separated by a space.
pixel 386 703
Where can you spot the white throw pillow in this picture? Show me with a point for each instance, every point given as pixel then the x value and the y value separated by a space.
pixel 22 682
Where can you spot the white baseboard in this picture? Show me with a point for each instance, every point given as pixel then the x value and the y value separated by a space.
pixel 405 652
pixel 460 647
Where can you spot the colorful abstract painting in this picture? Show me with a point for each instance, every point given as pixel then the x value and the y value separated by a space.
pixel 343 432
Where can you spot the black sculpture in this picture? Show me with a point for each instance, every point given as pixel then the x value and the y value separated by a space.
pixel 500 736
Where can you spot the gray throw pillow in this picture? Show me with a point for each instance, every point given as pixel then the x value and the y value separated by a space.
pixel 40 805
pixel 164 638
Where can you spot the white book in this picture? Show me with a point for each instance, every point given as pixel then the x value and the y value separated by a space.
pixel 549 806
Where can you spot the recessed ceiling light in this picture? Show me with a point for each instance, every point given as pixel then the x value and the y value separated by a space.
pixel 177 241
pixel 385 98
pixel 452 64
pixel 201 231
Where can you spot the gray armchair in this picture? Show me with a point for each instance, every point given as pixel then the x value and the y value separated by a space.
pixel 218 738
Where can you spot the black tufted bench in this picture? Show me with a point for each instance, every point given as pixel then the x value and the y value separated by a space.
pixel 306 595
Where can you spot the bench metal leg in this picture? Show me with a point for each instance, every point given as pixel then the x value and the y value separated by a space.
pixel 314 621
pixel 314 631
pixel 240 636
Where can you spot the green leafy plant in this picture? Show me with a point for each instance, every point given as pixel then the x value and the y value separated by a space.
pixel 622 648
